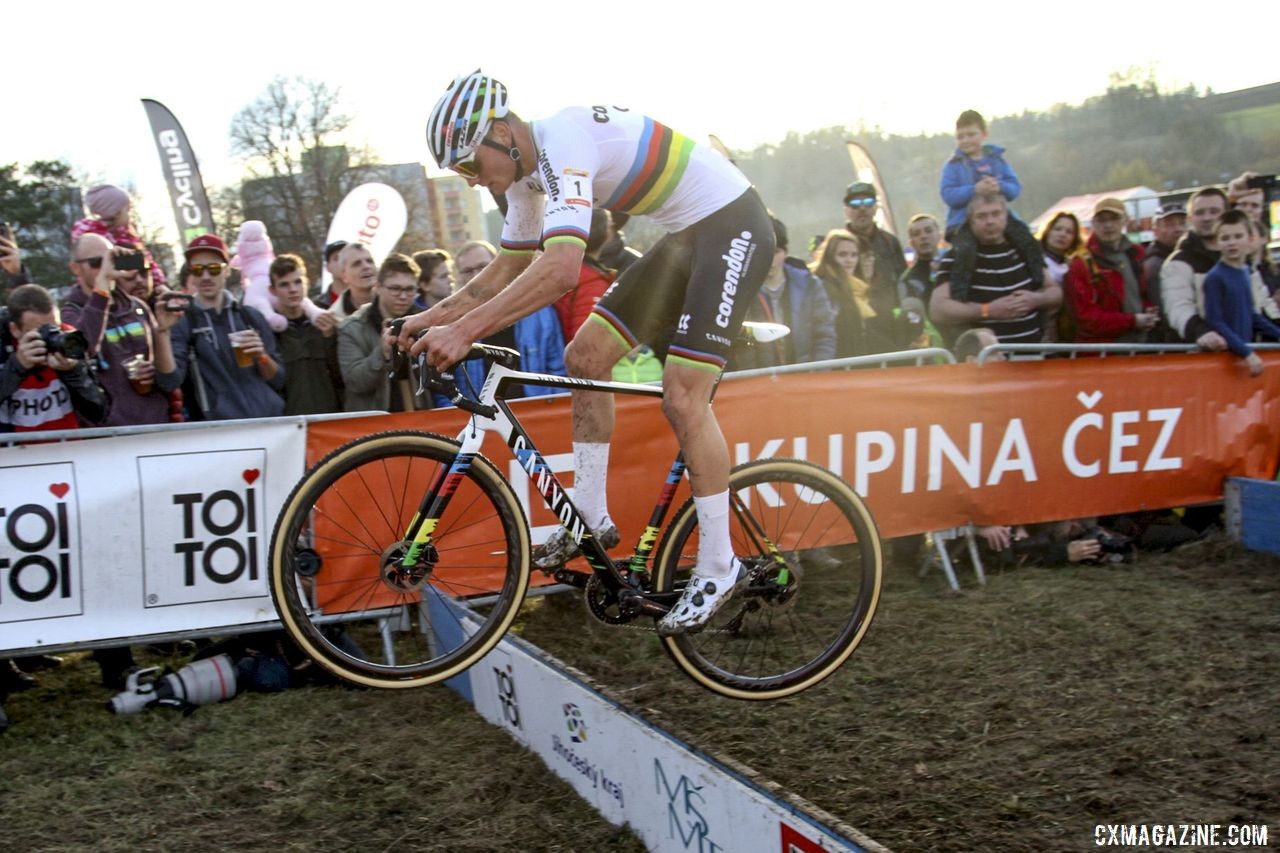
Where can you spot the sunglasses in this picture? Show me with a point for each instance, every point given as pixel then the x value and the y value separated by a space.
pixel 214 268
pixel 468 168
pixel 94 263
pixel 860 202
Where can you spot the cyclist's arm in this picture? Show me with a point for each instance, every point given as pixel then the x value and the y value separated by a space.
pixel 546 279
pixel 489 282
pixel 552 275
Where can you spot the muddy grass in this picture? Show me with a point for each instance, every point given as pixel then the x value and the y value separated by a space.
pixel 323 769
pixel 1011 717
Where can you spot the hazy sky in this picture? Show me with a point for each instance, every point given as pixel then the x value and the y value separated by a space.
pixel 75 71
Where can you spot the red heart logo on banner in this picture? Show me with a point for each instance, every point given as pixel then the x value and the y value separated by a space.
pixel 250 474
pixel 60 489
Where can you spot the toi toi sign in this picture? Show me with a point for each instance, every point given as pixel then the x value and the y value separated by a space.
pixel 40 571
pixel 204 543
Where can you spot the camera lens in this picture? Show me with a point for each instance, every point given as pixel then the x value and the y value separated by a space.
pixel 75 345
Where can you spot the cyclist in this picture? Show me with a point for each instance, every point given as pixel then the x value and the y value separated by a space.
pixel 686 297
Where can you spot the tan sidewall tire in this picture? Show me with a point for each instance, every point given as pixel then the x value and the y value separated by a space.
pixel 304 496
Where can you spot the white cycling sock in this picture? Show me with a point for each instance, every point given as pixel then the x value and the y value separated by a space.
pixel 590 470
pixel 715 551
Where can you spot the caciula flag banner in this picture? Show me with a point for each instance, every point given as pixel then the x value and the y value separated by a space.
pixel 181 173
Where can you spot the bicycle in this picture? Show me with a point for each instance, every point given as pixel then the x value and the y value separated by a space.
pixel 366 572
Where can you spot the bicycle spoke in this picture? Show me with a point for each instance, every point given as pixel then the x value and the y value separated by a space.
pixel 353 511
pixel 794 627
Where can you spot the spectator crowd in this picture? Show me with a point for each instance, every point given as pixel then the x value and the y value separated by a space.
pixel 129 345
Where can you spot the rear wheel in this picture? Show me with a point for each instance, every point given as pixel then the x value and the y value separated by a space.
pixel 814 558
pixel 336 576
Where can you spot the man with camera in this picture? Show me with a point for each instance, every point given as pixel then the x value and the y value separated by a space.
pixel 129 343
pixel 44 385
pixel 44 381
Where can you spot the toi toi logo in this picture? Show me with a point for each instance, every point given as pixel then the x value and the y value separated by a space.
pixel 223 514
pixel 39 543
pixel 205 543
pixel 507 694
pixel 40 534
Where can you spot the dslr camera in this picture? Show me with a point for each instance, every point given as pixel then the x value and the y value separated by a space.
pixel 200 683
pixel 1115 547
pixel 73 344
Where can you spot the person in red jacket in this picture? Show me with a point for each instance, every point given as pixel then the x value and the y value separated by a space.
pixel 1105 287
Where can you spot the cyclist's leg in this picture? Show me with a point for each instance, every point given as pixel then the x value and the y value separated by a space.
pixel 646 299
pixel 649 294
pixel 686 403
pixel 732 252
pixel 591 355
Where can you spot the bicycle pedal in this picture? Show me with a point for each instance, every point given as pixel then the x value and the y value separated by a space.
pixel 567 577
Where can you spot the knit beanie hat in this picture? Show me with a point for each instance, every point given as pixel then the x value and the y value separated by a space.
pixel 106 201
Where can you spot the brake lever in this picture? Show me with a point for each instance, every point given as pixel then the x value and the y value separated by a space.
pixel 430 379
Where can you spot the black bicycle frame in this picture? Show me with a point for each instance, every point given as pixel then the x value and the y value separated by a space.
pixel 493 414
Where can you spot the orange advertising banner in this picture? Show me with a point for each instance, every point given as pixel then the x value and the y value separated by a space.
pixel 936 446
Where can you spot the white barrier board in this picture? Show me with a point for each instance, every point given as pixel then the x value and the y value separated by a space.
pixel 673 797
pixel 141 534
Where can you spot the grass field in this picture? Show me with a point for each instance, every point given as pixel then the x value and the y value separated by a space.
pixel 1012 717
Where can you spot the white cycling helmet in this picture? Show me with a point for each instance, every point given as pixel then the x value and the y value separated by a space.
pixel 461 118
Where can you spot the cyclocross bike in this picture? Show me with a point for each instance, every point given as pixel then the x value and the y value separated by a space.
pixel 384 538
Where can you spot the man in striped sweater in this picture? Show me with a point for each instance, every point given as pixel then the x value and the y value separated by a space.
pixel 1009 291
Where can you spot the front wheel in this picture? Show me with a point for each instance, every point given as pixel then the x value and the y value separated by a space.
pixel 337 573
pixel 815 564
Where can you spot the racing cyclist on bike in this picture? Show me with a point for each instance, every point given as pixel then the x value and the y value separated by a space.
pixel 686 297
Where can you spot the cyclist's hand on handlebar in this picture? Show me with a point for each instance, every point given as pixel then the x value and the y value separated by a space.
pixel 443 346
pixel 412 326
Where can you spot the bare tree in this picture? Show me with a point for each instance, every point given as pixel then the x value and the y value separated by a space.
pixel 290 141
pixel 227 210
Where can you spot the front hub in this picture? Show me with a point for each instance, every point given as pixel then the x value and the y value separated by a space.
pixel 403 579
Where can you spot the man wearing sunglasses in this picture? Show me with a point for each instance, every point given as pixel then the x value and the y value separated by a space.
pixel 882 261
pixel 120 327
pixel 686 297
pixel 226 349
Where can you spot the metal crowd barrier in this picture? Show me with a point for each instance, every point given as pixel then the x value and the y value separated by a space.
pixel 1034 351
pixel 884 359
pixel 59 435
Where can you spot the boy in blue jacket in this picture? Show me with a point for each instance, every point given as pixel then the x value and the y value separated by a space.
pixel 1228 292
pixel 979 168
pixel 976 167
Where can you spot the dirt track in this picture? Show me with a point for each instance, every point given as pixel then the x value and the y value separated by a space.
pixel 1012 717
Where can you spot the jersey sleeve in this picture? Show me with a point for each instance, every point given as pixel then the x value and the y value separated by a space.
pixel 567 163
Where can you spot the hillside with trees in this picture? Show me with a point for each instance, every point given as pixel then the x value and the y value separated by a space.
pixel 1133 134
